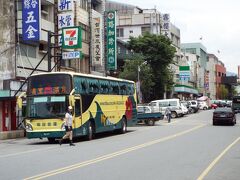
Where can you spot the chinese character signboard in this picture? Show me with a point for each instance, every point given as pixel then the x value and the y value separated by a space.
pixel 206 80
pixel 184 73
pixel 166 17
pixel 166 25
pixel 65 20
pixel 65 5
pixel 97 38
pixel 71 55
pixel 71 38
pixel 30 20
pixel 111 40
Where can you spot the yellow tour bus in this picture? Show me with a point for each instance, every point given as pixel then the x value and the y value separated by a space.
pixel 99 104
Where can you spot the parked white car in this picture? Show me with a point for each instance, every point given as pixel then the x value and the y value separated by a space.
pixel 161 106
pixel 184 109
pixel 203 105
pixel 143 109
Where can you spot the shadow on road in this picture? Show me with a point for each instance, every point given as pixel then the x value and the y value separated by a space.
pixel 44 141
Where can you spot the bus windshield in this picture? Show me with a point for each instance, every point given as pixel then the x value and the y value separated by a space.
pixel 49 84
pixel 46 106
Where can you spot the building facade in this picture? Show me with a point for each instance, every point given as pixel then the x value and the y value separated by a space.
pixel 211 68
pixel 7 67
pixel 220 73
pixel 20 57
pixel 134 22
pixel 201 52
pixel 187 89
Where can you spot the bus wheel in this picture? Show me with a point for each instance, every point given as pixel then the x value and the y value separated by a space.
pixel 124 126
pixel 51 140
pixel 90 134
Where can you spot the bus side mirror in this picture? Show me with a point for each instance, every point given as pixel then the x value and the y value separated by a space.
pixel 19 103
pixel 20 100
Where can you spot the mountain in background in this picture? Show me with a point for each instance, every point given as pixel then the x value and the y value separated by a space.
pixel 231 74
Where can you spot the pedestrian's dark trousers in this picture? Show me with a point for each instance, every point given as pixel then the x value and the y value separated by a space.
pixel 169 117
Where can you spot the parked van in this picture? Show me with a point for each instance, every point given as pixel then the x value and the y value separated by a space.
pixel 161 105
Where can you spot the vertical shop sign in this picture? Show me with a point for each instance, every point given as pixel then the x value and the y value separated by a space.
pixel 166 25
pixel 97 38
pixel 30 20
pixel 111 40
pixel 206 79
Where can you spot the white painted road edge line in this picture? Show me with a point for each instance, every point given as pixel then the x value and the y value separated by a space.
pixel 215 161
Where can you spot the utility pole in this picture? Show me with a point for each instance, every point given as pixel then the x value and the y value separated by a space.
pixel 50 47
pixel 139 83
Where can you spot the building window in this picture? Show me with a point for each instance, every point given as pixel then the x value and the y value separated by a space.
pixel 131 31
pixel 47 12
pixel 85 32
pixel 19 6
pixel 145 29
pixel 84 4
pixel 27 50
pixel 43 48
pixel 120 32
pixel 191 50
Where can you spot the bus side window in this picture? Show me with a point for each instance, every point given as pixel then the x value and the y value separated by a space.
pixel 116 90
pixel 77 108
pixel 123 90
pixel 84 87
pixel 129 91
pixel 132 89
pixel 96 88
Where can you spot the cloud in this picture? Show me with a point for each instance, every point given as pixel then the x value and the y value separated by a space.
pixel 217 21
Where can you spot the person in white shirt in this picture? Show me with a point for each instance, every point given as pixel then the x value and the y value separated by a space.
pixel 68 127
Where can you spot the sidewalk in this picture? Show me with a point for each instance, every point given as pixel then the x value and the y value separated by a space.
pixel 11 134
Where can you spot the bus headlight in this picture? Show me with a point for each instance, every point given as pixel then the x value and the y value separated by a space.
pixel 29 127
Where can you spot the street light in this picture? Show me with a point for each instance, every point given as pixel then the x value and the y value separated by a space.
pixel 138 83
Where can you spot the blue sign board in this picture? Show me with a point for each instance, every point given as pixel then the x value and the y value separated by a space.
pixel 30 20
pixel 184 75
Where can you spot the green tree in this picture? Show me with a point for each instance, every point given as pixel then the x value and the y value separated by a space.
pixel 158 51
pixel 223 92
pixel 145 75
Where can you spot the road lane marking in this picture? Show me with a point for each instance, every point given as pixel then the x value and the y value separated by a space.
pixel 36 150
pixel 110 156
pixel 215 161
pixel 25 152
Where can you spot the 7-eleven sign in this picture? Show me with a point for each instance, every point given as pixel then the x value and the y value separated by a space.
pixel 71 38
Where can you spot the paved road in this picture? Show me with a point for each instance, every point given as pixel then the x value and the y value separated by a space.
pixel 188 148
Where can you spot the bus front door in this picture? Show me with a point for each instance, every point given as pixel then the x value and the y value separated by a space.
pixel 78 113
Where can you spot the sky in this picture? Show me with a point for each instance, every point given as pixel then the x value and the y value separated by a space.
pixel 216 21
